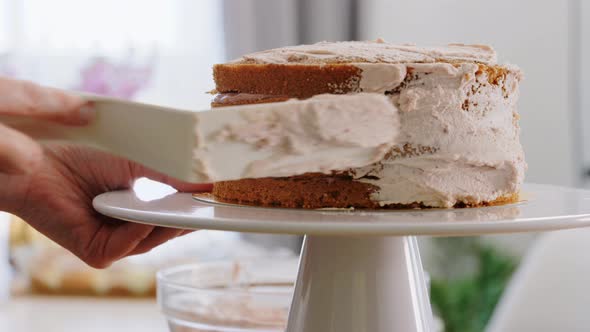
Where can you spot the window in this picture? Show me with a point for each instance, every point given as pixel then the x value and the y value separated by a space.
pixel 158 51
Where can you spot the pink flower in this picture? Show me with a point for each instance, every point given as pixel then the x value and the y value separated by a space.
pixel 119 80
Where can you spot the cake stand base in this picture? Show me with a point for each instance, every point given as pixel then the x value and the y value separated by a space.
pixel 352 284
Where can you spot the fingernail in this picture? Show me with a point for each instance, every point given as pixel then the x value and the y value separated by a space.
pixel 87 113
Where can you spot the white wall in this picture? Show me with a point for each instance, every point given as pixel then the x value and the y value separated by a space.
pixel 584 80
pixel 256 25
pixel 532 34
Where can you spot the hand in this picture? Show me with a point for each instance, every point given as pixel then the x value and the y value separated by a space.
pixel 52 187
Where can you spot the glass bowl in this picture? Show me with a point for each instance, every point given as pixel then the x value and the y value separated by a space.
pixel 228 296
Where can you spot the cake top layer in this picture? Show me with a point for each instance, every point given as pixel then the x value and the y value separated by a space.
pixel 377 51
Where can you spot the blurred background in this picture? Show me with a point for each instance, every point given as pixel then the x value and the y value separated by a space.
pixel 161 51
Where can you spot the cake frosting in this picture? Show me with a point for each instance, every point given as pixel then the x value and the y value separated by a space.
pixel 372 52
pixel 459 134
pixel 323 134
pixel 379 77
pixel 464 136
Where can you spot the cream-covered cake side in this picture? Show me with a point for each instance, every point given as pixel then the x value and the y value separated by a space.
pixel 459 140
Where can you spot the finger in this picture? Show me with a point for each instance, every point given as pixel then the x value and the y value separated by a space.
pixel 158 236
pixel 112 241
pixel 115 239
pixel 128 238
pixel 29 99
pixel 19 154
pixel 189 187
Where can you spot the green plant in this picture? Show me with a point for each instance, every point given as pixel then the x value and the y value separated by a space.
pixel 466 304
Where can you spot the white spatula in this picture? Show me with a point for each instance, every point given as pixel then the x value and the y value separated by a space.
pixel 279 139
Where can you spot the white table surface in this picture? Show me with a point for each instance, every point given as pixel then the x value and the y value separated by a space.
pixel 65 314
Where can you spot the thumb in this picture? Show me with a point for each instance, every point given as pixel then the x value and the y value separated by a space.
pixel 29 99
pixel 19 154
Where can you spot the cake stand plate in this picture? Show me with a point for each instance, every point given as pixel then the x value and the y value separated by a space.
pixel 360 270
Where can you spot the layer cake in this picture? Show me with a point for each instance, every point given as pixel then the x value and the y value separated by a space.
pixel 458 143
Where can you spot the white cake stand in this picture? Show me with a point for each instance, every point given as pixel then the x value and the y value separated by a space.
pixel 359 270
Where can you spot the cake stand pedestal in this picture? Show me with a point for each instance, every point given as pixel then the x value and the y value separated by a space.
pixel 359 270
pixel 360 284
